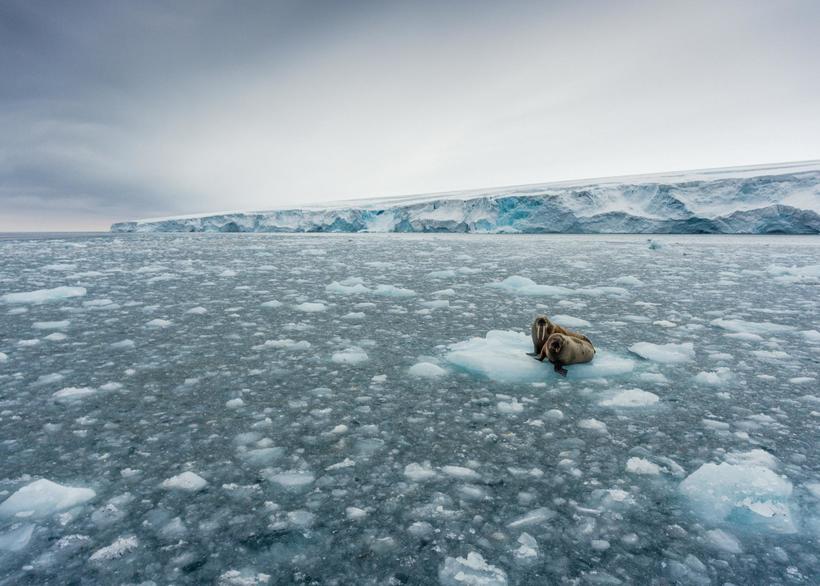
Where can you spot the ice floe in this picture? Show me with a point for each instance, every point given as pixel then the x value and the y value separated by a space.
pixel 502 356
pixel 44 295
pixel 665 353
pixel 42 498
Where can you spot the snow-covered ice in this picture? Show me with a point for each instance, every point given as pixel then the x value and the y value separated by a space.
pixel 383 437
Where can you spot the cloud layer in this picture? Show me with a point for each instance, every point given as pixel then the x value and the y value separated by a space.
pixel 113 110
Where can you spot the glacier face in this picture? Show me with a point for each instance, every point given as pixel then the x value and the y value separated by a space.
pixel 781 199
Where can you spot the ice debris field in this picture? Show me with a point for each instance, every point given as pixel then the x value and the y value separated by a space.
pixel 360 409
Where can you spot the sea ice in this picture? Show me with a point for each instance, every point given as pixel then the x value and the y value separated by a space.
pixel 44 295
pixel 471 571
pixel 631 398
pixel 502 356
pixel 665 353
pixel 745 495
pixel 426 370
pixel 42 498
pixel 187 481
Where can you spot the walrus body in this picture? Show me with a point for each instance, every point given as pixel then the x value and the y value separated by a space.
pixel 543 328
pixel 562 349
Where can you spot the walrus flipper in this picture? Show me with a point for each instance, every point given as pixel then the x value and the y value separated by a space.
pixel 560 369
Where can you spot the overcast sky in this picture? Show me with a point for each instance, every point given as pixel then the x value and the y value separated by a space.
pixel 118 110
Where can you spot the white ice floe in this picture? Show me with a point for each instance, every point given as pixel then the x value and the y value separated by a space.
pixel 51 325
pixel 537 516
pixel 243 578
pixel 198 310
pixel 188 481
pixel 419 472
pixel 746 495
pixel 510 407
pixel 16 538
pixel 568 321
pixel 158 323
pixel 519 285
pixel 44 295
pixel 294 480
pixel 69 394
pixel 461 472
pixel 470 571
pixel 120 547
pixel 592 424
pixel 502 356
pixel 642 466
pixel 721 540
pixel 665 353
pixel 3 356
pixel 750 327
pixel 754 457
pixel 42 498
pixel 631 398
pixel 353 355
pixel 272 303
pixel 719 377
pixel 426 370
pixel 283 344
pixel 355 286
pixel 310 307
pixel 123 344
pixel 629 280
pixel 811 335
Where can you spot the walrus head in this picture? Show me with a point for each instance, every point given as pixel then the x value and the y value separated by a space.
pixel 555 343
pixel 540 327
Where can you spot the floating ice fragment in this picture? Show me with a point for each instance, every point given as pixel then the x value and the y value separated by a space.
pixel 722 540
pixel 44 295
pixel 355 513
pixel 393 291
pixel 510 407
pixel 51 325
pixel 571 322
pixel 272 303
pixel 419 472
pixel 292 480
pixel 123 344
pixel 235 403
pixel 42 498
pixel 524 286
pixel 310 307
pixel 461 472
pixel 199 310
pixel 745 495
pixel 470 571
pixel 72 394
pixel 354 355
pixel 3 356
pixel 120 547
pixel 243 578
pixel 502 356
pixel 631 398
pixel 16 538
pixel 537 516
pixel 158 323
pixel 750 327
pixel 642 466
pixel 592 425
pixel 189 481
pixel 716 378
pixel 426 370
pixel 665 353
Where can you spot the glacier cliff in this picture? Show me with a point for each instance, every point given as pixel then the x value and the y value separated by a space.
pixel 774 199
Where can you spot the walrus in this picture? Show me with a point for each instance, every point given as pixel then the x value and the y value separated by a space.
pixel 543 328
pixel 562 349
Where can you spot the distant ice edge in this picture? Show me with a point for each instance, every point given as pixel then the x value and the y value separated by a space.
pixel 786 203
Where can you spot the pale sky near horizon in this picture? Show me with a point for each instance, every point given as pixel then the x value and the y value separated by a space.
pixel 122 109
